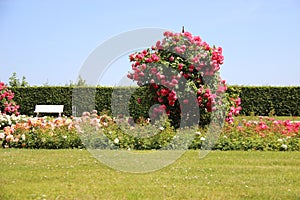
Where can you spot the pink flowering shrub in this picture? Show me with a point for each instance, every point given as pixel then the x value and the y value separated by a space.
pixel 179 65
pixel 234 109
pixel 7 105
pixel 261 133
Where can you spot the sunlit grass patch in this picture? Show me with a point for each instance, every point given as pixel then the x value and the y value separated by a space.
pixel 75 174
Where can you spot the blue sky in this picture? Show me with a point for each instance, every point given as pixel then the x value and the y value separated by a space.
pixel 48 41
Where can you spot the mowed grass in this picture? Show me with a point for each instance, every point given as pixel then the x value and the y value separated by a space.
pixel 75 174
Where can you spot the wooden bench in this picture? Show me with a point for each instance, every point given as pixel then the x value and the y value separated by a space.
pixel 49 109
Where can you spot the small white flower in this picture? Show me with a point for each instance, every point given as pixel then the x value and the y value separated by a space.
pixel 198 133
pixel 23 136
pixel 284 146
pixel 65 137
pixel 202 138
pixel 161 128
pixel 280 140
pixel 116 141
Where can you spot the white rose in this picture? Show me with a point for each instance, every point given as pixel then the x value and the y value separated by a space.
pixel 284 146
pixel 116 141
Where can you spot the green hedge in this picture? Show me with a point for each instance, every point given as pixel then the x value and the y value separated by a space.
pixel 268 100
pixel 280 101
pixel 28 97
pixel 85 98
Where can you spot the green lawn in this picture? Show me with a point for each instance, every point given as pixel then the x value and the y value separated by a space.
pixel 75 174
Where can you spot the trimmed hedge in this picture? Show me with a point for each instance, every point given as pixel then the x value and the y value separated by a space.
pixel 28 97
pixel 269 100
pixel 85 98
pixel 263 100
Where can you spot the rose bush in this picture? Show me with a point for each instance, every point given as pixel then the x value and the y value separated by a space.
pixel 179 65
pixel 7 105
pixel 8 120
pixel 43 132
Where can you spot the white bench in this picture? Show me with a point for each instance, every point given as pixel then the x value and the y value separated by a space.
pixel 49 109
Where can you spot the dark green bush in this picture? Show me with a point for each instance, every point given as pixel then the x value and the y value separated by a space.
pixel 265 100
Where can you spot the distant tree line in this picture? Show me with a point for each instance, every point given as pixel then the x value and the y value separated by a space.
pixel 14 81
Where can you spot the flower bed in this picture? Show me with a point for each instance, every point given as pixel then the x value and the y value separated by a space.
pixel 263 133
pixel 43 132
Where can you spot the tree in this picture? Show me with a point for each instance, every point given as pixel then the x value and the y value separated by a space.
pixel 80 82
pixel 24 83
pixel 15 82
